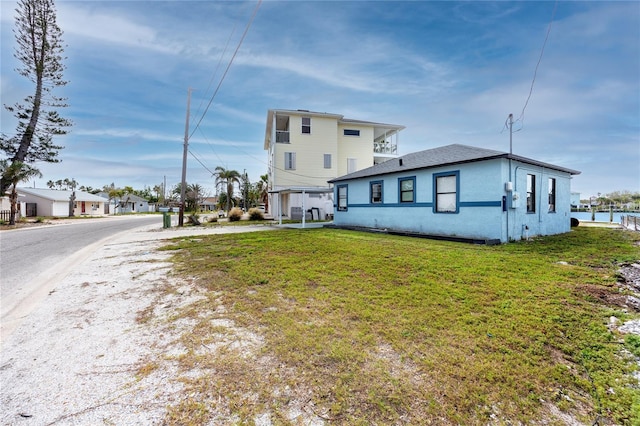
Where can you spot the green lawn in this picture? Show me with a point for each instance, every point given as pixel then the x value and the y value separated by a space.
pixel 359 328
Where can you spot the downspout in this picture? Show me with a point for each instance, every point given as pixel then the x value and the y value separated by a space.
pixel 272 149
pixel 508 202
pixel 303 211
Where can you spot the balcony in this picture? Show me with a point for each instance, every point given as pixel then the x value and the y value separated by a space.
pixel 282 136
pixel 385 147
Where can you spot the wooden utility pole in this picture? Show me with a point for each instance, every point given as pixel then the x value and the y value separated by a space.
pixel 184 162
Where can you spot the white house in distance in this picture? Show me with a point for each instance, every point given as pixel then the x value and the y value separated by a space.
pixel 458 192
pixel 54 202
pixel 306 149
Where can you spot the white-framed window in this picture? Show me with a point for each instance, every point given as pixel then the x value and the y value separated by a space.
pixel 446 190
pixel 306 125
pixel 327 161
pixel 352 165
pixel 289 160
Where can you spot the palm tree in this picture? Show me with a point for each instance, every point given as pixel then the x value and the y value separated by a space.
pixel 228 178
pixel 15 173
pixel 264 191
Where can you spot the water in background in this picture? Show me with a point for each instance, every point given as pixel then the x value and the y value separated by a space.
pixel 601 217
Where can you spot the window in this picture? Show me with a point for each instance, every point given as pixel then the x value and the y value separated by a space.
pixel 349 132
pixel 352 165
pixel 327 161
pixel 531 193
pixel 342 198
pixel 552 195
pixel 289 160
pixel 446 190
pixel 376 192
pixel 407 190
pixel 306 125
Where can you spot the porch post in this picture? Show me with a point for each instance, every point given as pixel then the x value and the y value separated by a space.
pixel 304 213
pixel 279 208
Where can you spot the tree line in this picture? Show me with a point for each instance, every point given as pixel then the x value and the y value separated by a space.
pixel 233 189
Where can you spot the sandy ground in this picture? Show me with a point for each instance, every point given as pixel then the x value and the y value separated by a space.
pixel 77 358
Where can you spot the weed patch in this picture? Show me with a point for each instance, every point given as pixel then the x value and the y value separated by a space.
pixel 376 329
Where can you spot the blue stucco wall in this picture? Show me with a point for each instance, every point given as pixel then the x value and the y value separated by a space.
pixel 480 213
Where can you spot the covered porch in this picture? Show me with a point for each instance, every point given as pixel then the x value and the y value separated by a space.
pixel 283 195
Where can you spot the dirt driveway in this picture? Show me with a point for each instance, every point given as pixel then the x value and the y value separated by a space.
pixel 80 356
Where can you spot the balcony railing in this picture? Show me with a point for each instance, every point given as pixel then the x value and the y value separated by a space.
pixel 385 147
pixel 282 136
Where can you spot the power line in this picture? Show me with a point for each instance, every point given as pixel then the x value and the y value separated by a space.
pixel 215 72
pixel 246 30
pixel 535 72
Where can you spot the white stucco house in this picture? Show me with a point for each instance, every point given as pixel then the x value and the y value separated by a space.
pixel 128 203
pixel 458 192
pixel 306 149
pixel 54 202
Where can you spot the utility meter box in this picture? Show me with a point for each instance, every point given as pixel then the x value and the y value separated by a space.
pixel 515 200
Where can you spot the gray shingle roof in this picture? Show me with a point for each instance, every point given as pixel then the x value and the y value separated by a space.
pixel 61 194
pixel 442 156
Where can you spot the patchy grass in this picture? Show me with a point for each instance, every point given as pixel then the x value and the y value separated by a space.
pixel 358 328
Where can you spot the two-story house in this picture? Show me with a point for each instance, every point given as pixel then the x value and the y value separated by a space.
pixel 306 149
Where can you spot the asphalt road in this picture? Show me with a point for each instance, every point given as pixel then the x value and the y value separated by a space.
pixel 30 257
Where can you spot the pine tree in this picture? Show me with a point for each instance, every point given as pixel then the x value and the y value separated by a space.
pixel 40 52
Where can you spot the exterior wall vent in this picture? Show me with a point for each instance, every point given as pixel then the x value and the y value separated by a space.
pixel 400 160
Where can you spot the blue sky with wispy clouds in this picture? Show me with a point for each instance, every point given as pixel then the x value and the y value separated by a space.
pixel 451 72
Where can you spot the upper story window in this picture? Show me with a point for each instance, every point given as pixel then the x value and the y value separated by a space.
pixel 342 198
pixel 446 190
pixel 376 192
pixel 352 165
pixel 289 160
pixel 306 125
pixel 327 161
pixel 407 189
pixel 351 132
pixel 552 195
pixel 531 193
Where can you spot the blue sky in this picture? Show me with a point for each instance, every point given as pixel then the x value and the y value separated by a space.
pixel 451 72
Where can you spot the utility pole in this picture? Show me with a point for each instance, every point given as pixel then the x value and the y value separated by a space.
pixel 510 133
pixel 184 162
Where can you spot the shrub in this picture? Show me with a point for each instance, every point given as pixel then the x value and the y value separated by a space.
pixel 213 219
pixel 235 214
pixel 39 219
pixel 255 214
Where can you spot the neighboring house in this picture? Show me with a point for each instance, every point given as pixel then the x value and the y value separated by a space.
pixel 128 203
pixel 55 202
pixel 458 191
pixel 134 204
pixel 306 149
pixel 575 200
pixel 209 204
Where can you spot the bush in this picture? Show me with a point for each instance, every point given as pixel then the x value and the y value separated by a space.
pixel 213 219
pixel 235 214
pixel 255 214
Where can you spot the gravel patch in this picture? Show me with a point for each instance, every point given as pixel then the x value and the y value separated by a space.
pixel 88 355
